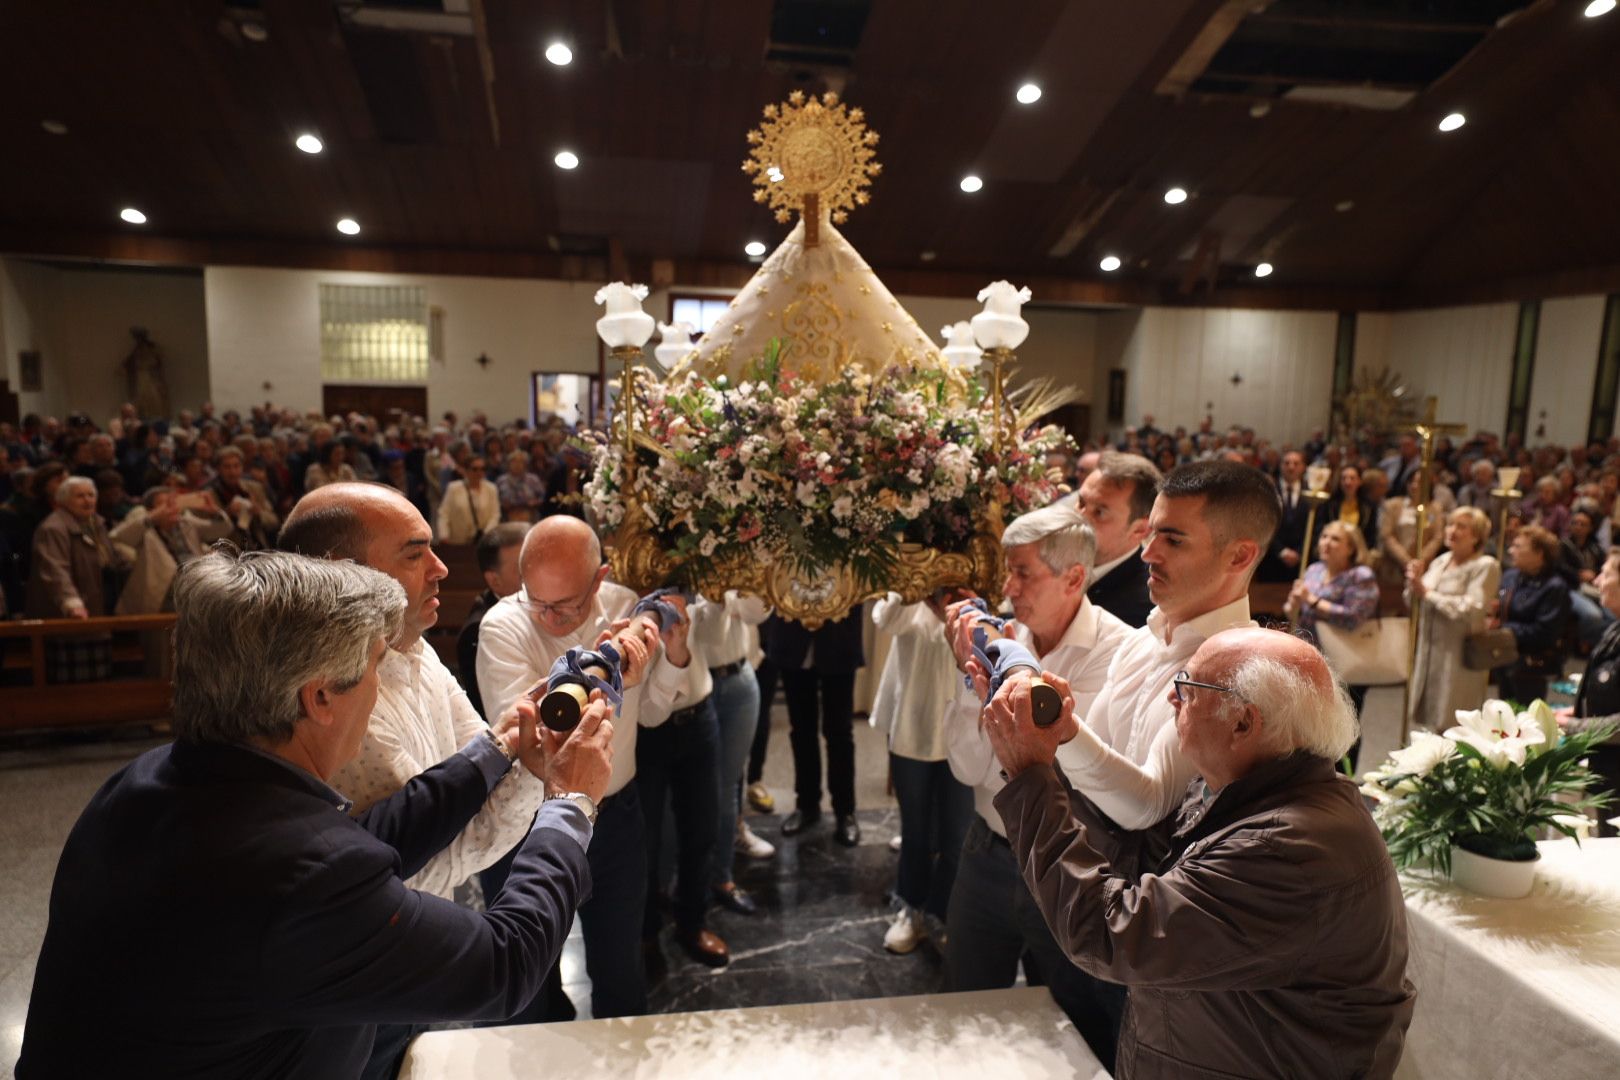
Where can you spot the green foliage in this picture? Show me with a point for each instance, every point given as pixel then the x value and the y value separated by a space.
pixel 1492 810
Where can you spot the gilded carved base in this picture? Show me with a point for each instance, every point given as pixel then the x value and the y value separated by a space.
pixel 639 563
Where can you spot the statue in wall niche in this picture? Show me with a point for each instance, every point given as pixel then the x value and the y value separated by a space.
pixel 143 370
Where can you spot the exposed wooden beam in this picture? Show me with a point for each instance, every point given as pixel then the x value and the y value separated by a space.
pixel 486 64
pixel 1191 64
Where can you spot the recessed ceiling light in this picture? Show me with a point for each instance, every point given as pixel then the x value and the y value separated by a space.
pixel 55 127
pixel 1263 270
pixel 1599 7
pixel 754 249
pixel 1029 94
pixel 566 159
pixel 1344 206
pixel 927 256
pixel 349 227
pixel 1175 196
pixel 309 144
pixel 971 183
pixel 1110 263
pixel 1453 121
pixel 559 54
pixel 132 215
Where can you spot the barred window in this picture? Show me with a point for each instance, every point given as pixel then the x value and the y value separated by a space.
pixel 374 333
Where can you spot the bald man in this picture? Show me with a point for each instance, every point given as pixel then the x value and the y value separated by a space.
pixel 566 600
pixel 422 715
pixel 1261 930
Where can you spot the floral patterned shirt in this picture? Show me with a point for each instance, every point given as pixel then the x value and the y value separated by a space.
pixel 1352 597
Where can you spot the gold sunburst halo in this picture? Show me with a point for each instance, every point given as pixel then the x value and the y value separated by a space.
pixel 812 149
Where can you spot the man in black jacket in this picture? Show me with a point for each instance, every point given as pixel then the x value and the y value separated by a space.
pixel 1287 546
pixel 215 910
pixel 1115 499
pixel 818 668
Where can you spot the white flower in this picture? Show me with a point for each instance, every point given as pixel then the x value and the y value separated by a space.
pixel 707 545
pixel 1425 752
pixel 842 507
pixel 805 491
pixel 1498 734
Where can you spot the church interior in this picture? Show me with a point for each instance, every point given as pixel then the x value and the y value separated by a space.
pixel 809 322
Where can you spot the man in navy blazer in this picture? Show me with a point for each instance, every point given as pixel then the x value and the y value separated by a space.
pixel 216 912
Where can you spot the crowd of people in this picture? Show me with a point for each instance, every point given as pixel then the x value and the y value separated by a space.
pixel 1181 828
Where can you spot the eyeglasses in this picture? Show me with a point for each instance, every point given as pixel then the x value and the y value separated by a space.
pixel 1180 683
pixel 562 609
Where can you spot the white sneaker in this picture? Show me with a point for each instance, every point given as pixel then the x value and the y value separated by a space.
pixel 906 932
pixel 752 845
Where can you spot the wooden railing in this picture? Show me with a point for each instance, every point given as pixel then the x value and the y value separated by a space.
pixel 118 700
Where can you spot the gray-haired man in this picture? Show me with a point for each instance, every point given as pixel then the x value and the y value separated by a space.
pixel 276 932
pixel 992 920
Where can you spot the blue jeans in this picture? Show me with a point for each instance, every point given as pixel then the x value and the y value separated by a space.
pixel 679 760
pixel 610 919
pixel 993 923
pixel 935 812
pixel 1590 618
pixel 736 706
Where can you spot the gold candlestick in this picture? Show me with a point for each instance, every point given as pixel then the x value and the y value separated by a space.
pixel 1000 356
pixel 1507 493
pixel 1426 429
pixel 1317 498
pixel 627 355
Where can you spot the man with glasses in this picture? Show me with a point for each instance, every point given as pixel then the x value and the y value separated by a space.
pixel 567 601
pixel 1262 929
pixel 992 921
pixel 1210 525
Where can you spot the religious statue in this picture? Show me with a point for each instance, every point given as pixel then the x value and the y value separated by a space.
pixel 143 370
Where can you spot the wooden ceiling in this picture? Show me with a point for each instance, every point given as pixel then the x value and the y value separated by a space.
pixel 171 107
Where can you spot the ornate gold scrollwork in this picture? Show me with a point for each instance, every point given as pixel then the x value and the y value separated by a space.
pixel 641 564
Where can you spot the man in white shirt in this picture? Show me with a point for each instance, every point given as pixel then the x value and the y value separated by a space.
pixel 992 921
pixel 422 715
pixel 1210 525
pixel 566 601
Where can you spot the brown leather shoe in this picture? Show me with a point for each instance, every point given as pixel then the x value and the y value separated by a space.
pixel 705 947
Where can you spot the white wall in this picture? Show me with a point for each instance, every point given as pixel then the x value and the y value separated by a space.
pixel 79 320
pixel 1179 360
pixel 264 326
pixel 1566 367
pixel 1463 356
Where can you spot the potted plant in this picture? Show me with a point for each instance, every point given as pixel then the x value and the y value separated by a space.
pixel 1471 803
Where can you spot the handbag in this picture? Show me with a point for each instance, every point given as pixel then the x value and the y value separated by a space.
pixel 1376 653
pixel 1490 649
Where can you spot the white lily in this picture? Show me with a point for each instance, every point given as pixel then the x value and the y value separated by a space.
pixel 1499 734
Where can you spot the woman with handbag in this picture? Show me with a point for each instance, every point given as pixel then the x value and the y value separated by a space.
pixel 469 506
pixel 1534 608
pixel 1455 592
pixel 1339 592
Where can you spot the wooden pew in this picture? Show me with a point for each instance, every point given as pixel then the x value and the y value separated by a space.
pixel 119 700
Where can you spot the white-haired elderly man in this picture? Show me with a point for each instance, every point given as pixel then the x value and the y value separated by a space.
pixel 271 931
pixel 991 920
pixel 1261 930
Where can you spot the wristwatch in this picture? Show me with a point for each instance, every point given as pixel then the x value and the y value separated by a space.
pixel 579 799
pixel 501 746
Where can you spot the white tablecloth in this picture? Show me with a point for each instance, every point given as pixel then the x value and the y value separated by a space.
pixel 1519 988
pixel 984 1035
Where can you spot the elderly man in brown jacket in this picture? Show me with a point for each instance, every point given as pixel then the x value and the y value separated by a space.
pixel 1261 930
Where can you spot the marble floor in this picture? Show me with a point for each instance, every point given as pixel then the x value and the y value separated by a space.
pixel 818 936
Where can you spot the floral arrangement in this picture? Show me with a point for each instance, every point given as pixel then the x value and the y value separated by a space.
pixel 777 467
pixel 1488 785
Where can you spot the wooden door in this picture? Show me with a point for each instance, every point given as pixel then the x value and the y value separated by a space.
pixel 386 403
